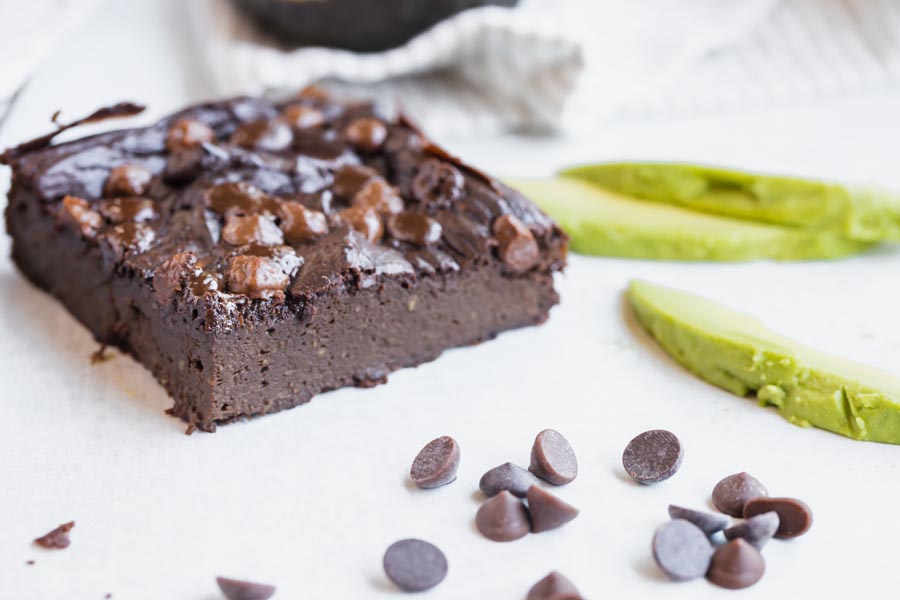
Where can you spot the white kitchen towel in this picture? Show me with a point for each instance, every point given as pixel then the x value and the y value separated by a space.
pixel 492 69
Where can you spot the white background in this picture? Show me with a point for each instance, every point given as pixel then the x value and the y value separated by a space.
pixel 309 499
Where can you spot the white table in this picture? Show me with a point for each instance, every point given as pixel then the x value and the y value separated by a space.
pixel 309 499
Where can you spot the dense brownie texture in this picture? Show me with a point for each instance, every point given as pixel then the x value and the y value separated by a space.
pixel 253 254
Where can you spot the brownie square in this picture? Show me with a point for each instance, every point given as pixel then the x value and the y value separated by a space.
pixel 252 253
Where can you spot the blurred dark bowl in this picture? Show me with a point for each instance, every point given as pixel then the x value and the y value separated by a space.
pixel 361 25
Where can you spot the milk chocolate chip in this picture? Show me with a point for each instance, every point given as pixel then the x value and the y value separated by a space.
pixel 436 463
pixel 437 183
pixel 128 209
pixel 256 276
pixel 77 212
pixel 127 180
pixel 377 193
pixel 736 565
pixel 56 539
pixel 188 133
pixel 235 589
pixel 503 518
pixel 552 458
pixel 414 228
pixel 365 220
pixel 366 133
pixel 301 224
pixel 794 516
pixel 269 135
pixel 303 116
pixel 251 229
pixel 516 244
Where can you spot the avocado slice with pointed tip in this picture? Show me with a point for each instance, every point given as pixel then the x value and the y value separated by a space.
pixel 738 353
pixel 604 223
pixel 860 212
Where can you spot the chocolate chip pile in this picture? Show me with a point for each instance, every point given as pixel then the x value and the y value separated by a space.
pixel 516 505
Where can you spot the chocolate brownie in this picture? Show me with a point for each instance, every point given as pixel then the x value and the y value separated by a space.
pixel 253 253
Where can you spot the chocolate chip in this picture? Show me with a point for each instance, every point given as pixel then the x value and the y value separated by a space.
pixel 515 243
pixel 436 463
pixel 125 238
pixel 128 209
pixel 736 565
pixel 169 278
pixel 239 197
pixel 56 539
pixel 795 517
pixel 437 183
pixel 301 224
pixel 552 458
pixel 732 493
pixel 268 135
pixel 235 589
pixel 366 133
pixel 503 518
pixel 78 213
pixel 709 523
pixel 255 276
pixel 414 228
pixel 251 229
pixel 415 565
pixel 364 220
pixel 303 116
pixel 127 180
pixel 547 511
pixel 682 550
pixel 188 133
pixel 756 530
pixel 509 477
pixel 377 193
pixel 653 456
pixel 349 179
pixel 554 586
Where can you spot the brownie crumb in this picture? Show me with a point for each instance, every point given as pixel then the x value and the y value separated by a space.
pixel 100 355
pixel 29 562
pixel 58 538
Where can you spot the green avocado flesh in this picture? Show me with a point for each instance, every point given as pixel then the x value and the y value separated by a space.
pixel 738 353
pixel 603 223
pixel 865 213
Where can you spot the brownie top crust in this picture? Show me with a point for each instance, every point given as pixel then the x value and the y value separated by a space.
pixel 250 208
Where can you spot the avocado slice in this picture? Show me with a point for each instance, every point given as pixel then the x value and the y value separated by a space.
pixel 738 353
pixel 604 223
pixel 859 212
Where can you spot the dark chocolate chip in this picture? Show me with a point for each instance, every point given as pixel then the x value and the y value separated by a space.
pixel 547 511
pixel 555 586
pixel 301 224
pixel 349 179
pixel 653 456
pixel 795 517
pixel 255 276
pixel 503 518
pixel 169 278
pixel 127 180
pixel 756 530
pixel 414 228
pixel 56 539
pixel 509 477
pixel 377 193
pixel 128 209
pixel 415 565
pixel 268 135
pixel 515 243
pixel 709 523
pixel 235 589
pixel 239 197
pixel 366 133
pixel 732 493
pixel 736 565
pixel 78 213
pixel 436 463
pixel 188 133
pixel 240 230
pixel 437 183
pixel 552 458
pixel 364 220
pixel 303 116
pixel 682 550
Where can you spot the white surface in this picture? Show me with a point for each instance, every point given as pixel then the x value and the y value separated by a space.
pixel 309 499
